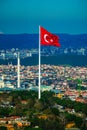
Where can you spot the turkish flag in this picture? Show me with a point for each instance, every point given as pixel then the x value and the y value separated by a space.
pixel 48 39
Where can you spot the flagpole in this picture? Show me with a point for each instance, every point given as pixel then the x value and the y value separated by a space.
pixel 18 70
pixel 39 89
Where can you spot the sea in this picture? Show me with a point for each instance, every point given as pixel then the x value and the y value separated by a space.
pixel 68 60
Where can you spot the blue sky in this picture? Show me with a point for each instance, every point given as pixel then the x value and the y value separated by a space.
pixel 57 16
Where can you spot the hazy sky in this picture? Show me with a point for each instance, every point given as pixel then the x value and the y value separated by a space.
pixel 57 16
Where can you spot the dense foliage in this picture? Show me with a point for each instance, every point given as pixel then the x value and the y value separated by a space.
pixel 43 113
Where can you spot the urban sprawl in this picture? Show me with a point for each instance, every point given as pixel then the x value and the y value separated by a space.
pixel 65 81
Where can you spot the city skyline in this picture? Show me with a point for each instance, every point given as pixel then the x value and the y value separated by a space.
pixel 68 16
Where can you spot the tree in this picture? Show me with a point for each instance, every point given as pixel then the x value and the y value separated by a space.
pixel 3 128
pixel 34 122
pixel 38 105
pixel 5 111
pixel 52 125
pixel 55 111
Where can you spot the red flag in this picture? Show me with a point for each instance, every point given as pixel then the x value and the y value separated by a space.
pixel 48 39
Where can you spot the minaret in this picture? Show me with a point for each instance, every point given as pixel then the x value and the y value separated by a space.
pixel 18 70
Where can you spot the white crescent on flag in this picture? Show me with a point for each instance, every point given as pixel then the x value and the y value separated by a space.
pixel 45 38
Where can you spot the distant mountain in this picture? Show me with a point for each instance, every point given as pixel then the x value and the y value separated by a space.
pixel 28 41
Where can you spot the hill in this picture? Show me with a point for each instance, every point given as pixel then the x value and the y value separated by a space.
pixel 28 41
